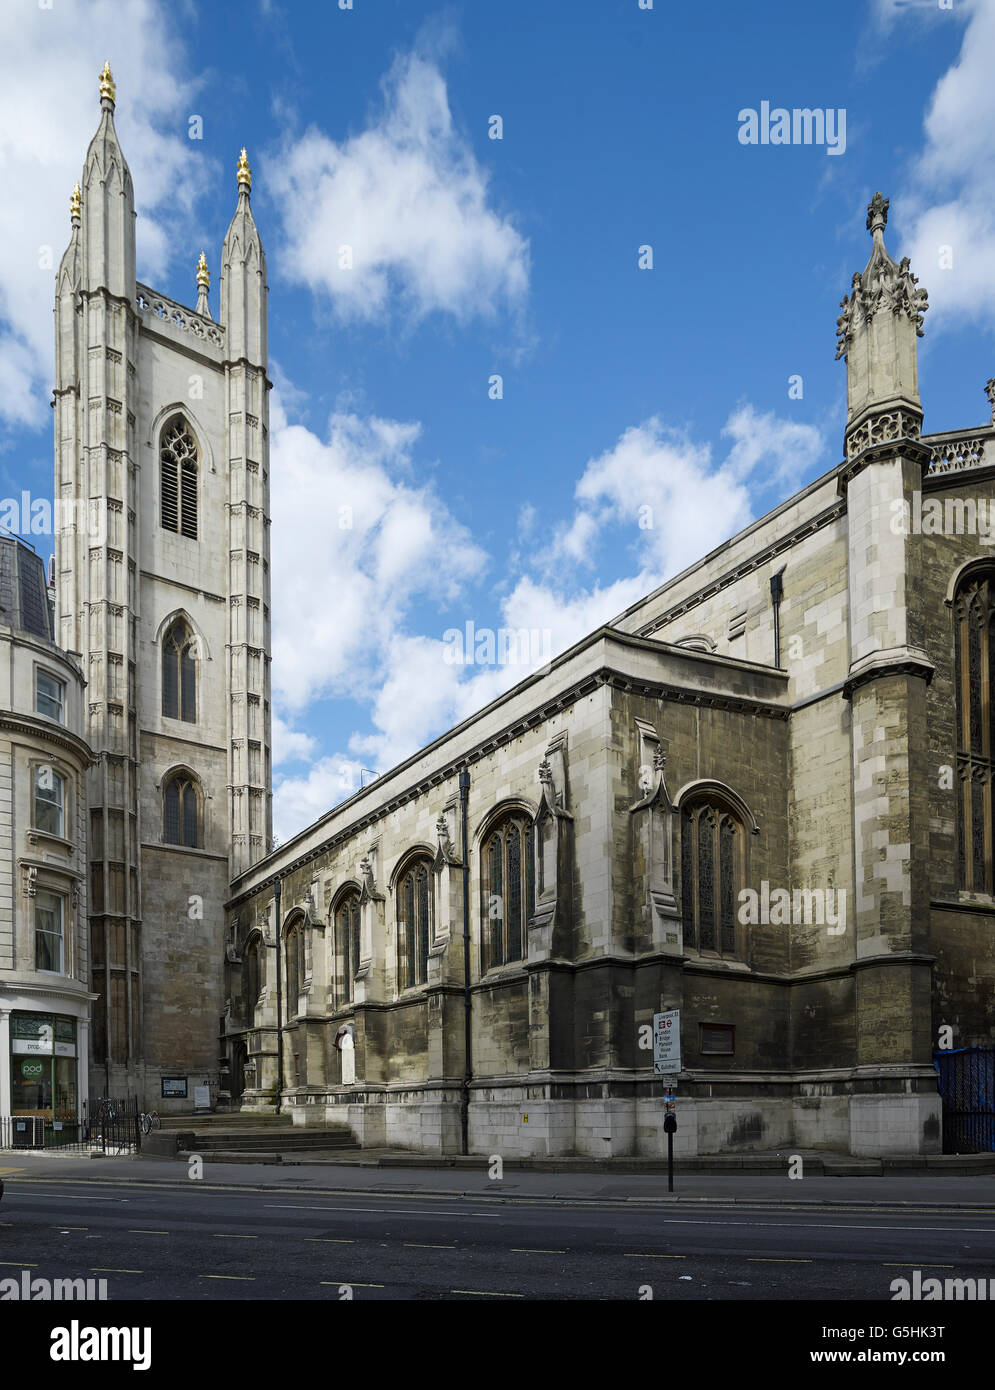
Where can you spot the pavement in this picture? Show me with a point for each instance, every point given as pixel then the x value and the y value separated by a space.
pixel 593 1183
pixel 178 1139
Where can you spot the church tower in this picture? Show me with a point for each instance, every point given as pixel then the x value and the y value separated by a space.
pixel 162 583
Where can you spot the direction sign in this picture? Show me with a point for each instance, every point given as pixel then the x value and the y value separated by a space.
pixel 667 1043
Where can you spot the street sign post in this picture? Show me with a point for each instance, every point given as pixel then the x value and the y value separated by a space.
pixel 667 1062
pixel 667 1043
pixel 670 1129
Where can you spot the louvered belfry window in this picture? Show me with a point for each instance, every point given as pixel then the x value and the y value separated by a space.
pixel 975 679
pixel 178 475
pixel 711 851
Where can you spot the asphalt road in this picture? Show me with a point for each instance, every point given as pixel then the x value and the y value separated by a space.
pixel 174 1238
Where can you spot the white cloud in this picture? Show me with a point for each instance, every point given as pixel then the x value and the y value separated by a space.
pixel 419 696
pixel 568 613
pixel 411 201
pixel 354 544
pixel 298 801
pixel 678 503
pixel 290 745
pixel 49 111
pixel 787 448
pixel 949 204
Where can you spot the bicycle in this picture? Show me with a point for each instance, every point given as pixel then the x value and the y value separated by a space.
pixel 107 1111
pixel 149 1121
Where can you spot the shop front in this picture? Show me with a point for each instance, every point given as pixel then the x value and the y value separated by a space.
pixel 44 1079
pixel 42 1068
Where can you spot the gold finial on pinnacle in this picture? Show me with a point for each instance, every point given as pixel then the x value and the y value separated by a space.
pixel 244 172
pixel 203 274
pixel 107 88
pixel 75 202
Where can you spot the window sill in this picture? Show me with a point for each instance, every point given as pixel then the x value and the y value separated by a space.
pixel 411 991
pixel 965 902
pixel 45 838
pixel 723 962
pixel 508 968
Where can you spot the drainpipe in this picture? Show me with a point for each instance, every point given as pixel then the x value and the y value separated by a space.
pixel 776 591
pixel 464 793
pixel 277 895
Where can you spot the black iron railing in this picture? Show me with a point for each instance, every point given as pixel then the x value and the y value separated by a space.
pixel 967 1092
pixel 105 1125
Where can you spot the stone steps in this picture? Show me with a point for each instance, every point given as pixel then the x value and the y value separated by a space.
pixel 237 1120
pixel 263 1141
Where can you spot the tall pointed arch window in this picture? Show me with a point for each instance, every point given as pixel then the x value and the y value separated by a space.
pixel 347 919
pixel 295 963
pixel 178 459
pixel 712 848
pixel 414 923
pixel 507 891
pixel 179 673
pixel 181 811
pixel 974 614
pixel 251 978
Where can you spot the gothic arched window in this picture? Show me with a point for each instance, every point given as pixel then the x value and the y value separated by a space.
pixel 181 811
pixel 178 479
pixel 974 614
pixel 295 965
pixel 251 978
pixel 414 924
pixel 347 946
pixel 711 875
pixel 179 673
pixel 507 884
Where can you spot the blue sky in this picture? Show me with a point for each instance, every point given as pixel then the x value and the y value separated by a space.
pixel 645 414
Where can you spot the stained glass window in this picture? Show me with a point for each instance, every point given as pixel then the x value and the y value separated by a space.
pixel 706 880
pixel 711 840
pixel 974 667
pixel 347 944
pixel 727 881
pixel 414 924
pixel 508 891
pixel 251 977
pixel 295 967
